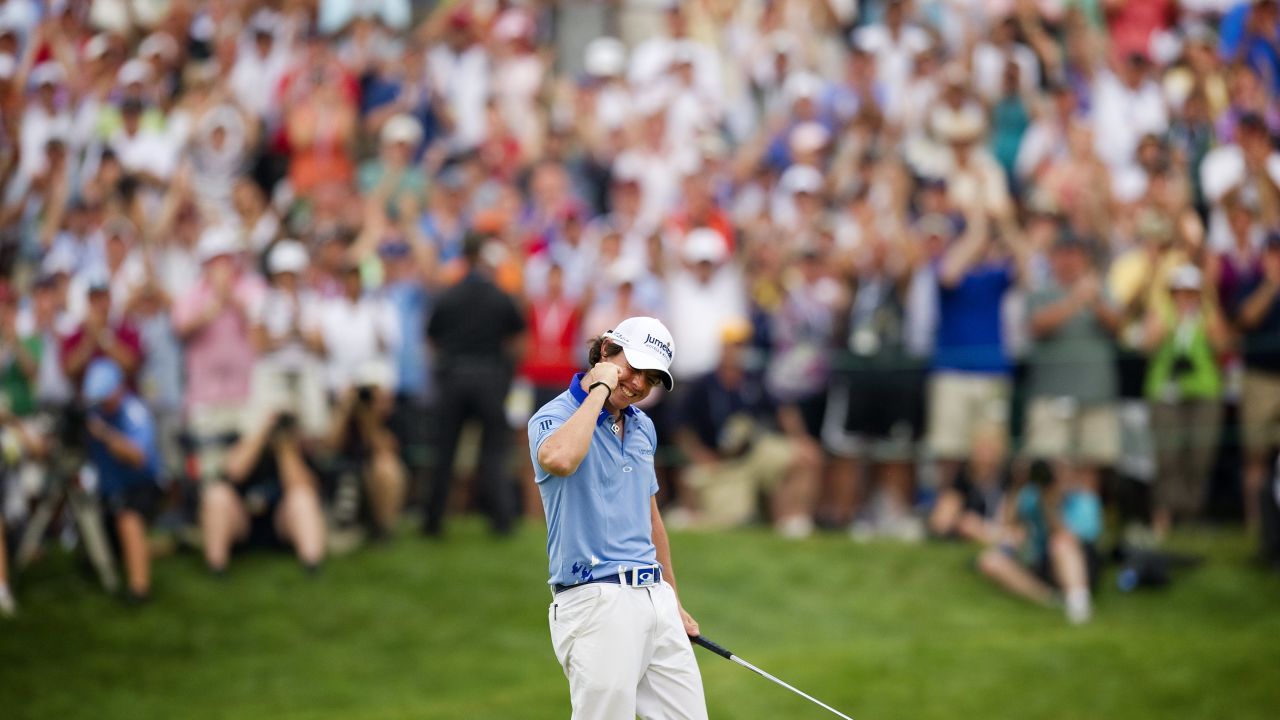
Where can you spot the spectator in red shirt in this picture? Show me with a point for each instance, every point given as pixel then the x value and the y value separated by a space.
pixel 99 336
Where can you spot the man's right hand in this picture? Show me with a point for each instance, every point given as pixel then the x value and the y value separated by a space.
pixel 605 372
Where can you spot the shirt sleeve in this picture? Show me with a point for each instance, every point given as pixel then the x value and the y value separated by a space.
pixel 541 426
pixel 140 430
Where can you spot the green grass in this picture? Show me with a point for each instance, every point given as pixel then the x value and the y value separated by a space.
pixel 417 629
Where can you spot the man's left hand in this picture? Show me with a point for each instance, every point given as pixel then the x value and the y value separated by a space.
pixel 690 625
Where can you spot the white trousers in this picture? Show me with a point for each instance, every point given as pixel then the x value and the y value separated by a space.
pixel 625 653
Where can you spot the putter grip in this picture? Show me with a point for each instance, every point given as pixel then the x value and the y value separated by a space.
pixel 713 647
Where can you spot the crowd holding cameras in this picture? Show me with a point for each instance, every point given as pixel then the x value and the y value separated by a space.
pixel 933 268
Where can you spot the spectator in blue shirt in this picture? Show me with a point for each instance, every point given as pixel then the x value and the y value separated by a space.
pixel 971 372
pixel 124 456
pixel 1058 524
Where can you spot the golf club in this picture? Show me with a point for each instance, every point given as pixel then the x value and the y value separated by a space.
pixel 724 653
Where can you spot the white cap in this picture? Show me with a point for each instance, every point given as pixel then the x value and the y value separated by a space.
pixel 46 73
pixel 801 179
pixel 704 245
pixel 802 85
pixel 134 71
pixel 158 43
pixel 624 270
pixel 401 128
pixel 8 66
pixel 288 256
pixel 808 137
pixel 512 24
pixel 97 46
pixel 1185 277
pixel 647 345
pixel 605 57
pixel 216 242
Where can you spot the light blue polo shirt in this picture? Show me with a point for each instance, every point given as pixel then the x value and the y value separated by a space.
pixel 598 518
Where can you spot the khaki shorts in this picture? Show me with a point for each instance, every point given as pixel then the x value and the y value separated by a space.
pixel 727 492
pixel 959 405
pixel 207 425
pixel 1061 429
pixel 1260 411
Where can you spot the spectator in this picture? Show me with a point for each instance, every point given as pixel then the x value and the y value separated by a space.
pixel 875 408
pixel 708 291
pixel 359 334
pixel 288 376
pixel 1072 384
pixel 970 384
pixel 124 456
pixel 1184 387
pixel 268 492
pixel 742 442
pixel 973 507
pixel 1061 525
pixel 99 336
pixel 1258 317
pixel 476 333
pixel 211 320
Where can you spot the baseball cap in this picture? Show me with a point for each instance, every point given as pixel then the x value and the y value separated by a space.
pixel 217 241
pixel 401 129
pixel 704 245
pixel 134 72
pixel 605 57
pixel 101 380
pixel 647 345
pixel 1185 277
pixel 288 256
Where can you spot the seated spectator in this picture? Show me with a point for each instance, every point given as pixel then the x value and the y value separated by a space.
pixel 1184 387
pixel 268 493
pixel 125 459
pixel 1047 551
pixel 741 442
pixel 970 509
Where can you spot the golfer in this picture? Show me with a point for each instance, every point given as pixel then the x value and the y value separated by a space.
pixel 617 626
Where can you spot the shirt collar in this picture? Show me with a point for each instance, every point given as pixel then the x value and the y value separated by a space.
pixel 575 389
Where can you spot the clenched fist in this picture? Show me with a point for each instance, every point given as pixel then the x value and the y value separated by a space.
pixel 605 372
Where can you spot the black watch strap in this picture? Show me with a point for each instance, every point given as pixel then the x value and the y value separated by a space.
pixel 600 383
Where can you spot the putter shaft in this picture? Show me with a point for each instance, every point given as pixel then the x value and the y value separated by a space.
pixel 725 653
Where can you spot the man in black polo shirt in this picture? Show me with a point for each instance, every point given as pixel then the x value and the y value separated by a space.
pixel 474 333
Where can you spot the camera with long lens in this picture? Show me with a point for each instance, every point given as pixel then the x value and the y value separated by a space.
pixel 364 394
pixel 1182 367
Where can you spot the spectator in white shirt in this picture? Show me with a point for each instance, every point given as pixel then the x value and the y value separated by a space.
pixel 709 292
pixel 1127 104
pixel 359 332
pixel 895 44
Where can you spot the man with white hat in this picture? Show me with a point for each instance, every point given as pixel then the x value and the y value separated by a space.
pixel 211 320
pixel 617 626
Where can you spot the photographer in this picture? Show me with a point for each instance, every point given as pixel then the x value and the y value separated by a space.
pixel 360 433
pixel 124 457
pixel 1184 386
pixel 269 494
pixel 359 334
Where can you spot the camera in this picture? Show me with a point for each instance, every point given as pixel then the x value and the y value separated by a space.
pixel 285 422
pixel 364 394
pixel 1182 366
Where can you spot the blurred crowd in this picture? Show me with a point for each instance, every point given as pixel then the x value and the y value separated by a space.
pixel 963 268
